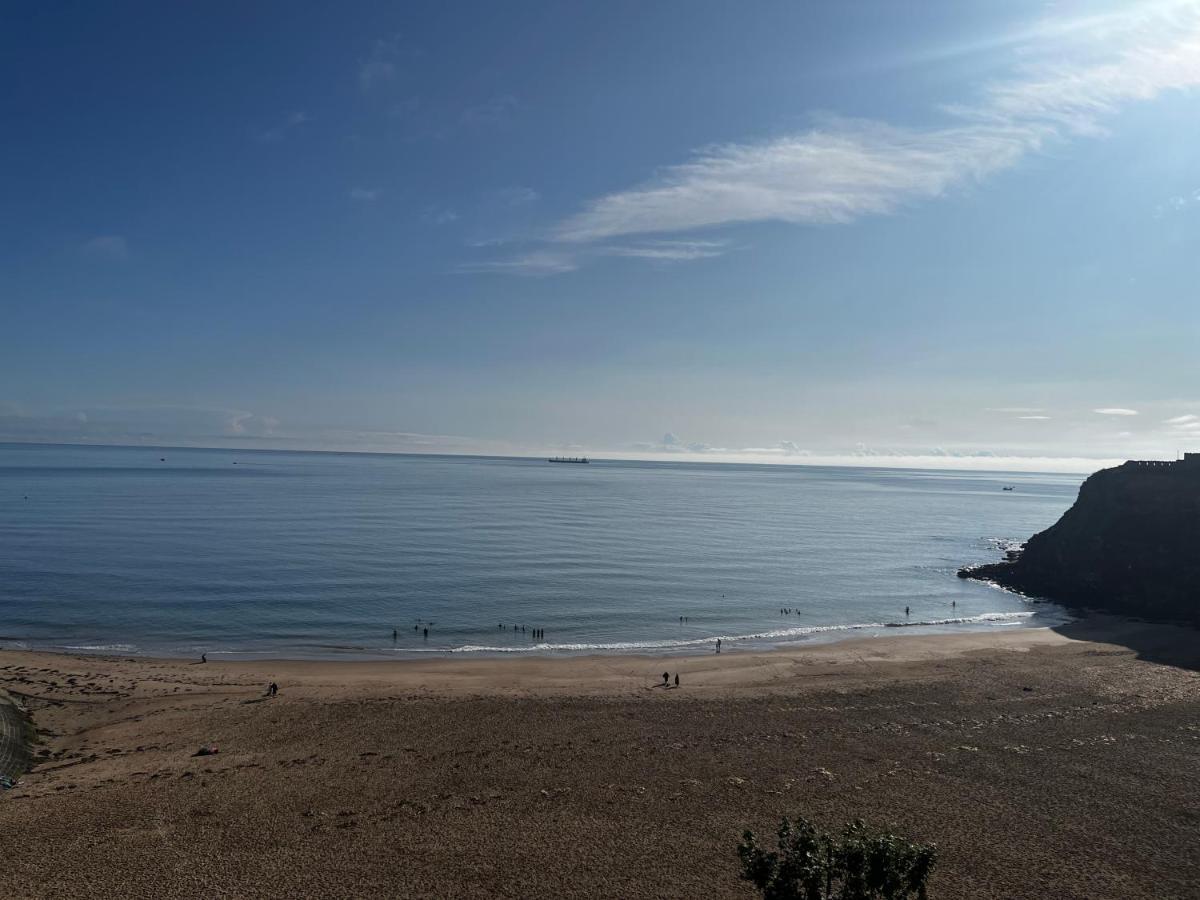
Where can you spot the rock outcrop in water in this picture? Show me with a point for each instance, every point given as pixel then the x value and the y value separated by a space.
pixel 1130 544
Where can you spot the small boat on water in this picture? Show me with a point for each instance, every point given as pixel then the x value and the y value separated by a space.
pixel 568 459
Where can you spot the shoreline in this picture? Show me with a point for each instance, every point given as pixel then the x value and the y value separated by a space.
pixel 787 638
pixel 584 667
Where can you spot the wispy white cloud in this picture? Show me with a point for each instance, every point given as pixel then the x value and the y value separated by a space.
pixel 535 263
pixel 559 258
pixel 365 195
pixel 842 169
pixel 668 251
pixel 1115 411
pixel 1186 424
pixel 108 247
pixel 1074 73
pixel 1035 418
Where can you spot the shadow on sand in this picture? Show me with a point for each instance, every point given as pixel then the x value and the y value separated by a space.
pixel 1170 645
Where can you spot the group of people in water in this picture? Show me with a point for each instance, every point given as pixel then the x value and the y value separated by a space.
pixel 538 634
pixel 417 627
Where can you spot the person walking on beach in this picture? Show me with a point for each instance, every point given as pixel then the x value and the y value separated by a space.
pixel 676 679
pixel 203 657
pixel 666 677
pixel 718 645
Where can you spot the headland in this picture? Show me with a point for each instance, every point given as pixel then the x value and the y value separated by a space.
pixel 1130 544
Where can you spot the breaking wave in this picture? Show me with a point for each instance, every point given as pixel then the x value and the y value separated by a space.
pixel 779 635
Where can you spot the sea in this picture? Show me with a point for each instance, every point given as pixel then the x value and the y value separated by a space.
pixel 250 553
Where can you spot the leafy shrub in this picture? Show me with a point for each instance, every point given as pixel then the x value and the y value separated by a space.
pixel 811 864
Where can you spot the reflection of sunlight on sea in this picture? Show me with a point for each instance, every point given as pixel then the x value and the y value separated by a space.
pixel 324 554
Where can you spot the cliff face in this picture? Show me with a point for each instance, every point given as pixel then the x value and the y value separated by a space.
pixel 1130 544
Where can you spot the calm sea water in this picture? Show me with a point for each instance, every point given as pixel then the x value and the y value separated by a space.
pixel 178 552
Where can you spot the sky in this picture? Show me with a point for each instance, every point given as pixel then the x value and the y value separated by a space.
pixel 957 234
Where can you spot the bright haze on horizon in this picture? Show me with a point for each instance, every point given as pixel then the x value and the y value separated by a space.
pixel 948 233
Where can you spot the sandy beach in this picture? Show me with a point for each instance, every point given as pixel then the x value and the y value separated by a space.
pixel 1060 763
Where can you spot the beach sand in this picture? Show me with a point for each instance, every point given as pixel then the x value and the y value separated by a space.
pixel 1044 763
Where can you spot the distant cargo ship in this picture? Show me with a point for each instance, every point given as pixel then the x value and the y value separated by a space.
pixel 569 459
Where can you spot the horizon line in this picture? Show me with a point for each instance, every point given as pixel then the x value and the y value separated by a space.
pixel 1083 465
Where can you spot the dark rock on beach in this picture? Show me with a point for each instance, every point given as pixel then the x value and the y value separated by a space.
pixel 1130 544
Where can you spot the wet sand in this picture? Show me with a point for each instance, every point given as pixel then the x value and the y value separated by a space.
pixel 1060 763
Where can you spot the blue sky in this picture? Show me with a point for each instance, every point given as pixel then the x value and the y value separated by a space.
pixel 956 233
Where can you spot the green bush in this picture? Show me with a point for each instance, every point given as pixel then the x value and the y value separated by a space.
pixel 858 864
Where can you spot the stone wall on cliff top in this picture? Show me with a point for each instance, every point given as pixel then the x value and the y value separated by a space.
pixel 1130 544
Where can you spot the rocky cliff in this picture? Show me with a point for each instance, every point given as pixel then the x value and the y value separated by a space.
pixel 1130 544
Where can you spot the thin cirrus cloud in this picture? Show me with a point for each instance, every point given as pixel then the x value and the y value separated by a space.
pixel 1188 423
pixel 1115 411
pixel 669 251
pixel 542 262
pixel 535 263
pixel 364 195
pixel 844 169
